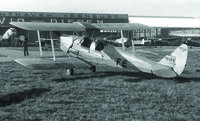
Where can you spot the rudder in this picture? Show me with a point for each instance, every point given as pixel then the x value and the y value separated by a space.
pixel 176 60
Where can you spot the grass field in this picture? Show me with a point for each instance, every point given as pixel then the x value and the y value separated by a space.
pixel 2 55
pixel 110 94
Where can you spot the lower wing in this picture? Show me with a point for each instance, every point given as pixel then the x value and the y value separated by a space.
pixel 48 63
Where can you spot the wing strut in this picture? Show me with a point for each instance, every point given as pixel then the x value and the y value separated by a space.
pixel 122 39
pixel 133 46
pixel 52 46
pixel 40 45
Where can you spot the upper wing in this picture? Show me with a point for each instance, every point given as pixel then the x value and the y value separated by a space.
pixel 116 26
pixel 36 26
pixel 48 63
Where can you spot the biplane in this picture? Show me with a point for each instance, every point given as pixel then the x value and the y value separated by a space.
pixel 85 53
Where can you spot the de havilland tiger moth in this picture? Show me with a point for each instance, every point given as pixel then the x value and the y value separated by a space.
pixel 84 53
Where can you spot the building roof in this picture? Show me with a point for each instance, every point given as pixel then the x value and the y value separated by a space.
pixel 166 22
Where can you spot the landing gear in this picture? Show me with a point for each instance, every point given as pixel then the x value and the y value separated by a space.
pixel 93 68
pixel 69 71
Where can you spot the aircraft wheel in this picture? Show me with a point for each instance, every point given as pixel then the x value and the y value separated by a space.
pixel 93 68
pixel 69 71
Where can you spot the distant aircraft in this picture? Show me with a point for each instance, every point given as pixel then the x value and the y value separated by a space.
pixel 8 34
pixel 83 52
pixel 120 40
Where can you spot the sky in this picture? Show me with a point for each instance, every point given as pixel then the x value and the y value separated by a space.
pixel 183 8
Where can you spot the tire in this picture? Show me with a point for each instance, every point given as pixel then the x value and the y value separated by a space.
pixel 69 71
pixel 93 68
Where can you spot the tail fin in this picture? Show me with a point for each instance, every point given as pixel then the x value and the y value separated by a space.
pixel 177 60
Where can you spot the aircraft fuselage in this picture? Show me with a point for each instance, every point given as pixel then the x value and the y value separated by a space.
pixel 108 55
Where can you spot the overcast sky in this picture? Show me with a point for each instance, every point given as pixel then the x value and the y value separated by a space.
pixel 189 8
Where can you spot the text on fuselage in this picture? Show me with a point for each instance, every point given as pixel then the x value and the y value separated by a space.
pixel 121 62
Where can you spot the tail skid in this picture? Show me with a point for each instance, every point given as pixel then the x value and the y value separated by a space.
pixel 177 60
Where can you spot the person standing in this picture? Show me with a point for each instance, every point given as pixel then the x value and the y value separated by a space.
pixel 25 44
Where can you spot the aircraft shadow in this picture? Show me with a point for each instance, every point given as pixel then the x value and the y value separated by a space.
pixel 187 79
pixel 138 76
pixel 134 76
pixel 21 96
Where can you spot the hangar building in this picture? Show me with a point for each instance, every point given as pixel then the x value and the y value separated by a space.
pixel 168 27
pixel 162 27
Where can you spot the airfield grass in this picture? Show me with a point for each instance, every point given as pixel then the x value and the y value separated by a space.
pixel 109 94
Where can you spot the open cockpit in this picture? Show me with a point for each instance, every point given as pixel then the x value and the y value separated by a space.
pixel 92 44
pixel 81 44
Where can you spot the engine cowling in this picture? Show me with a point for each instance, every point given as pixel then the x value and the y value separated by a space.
pixel 66 42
